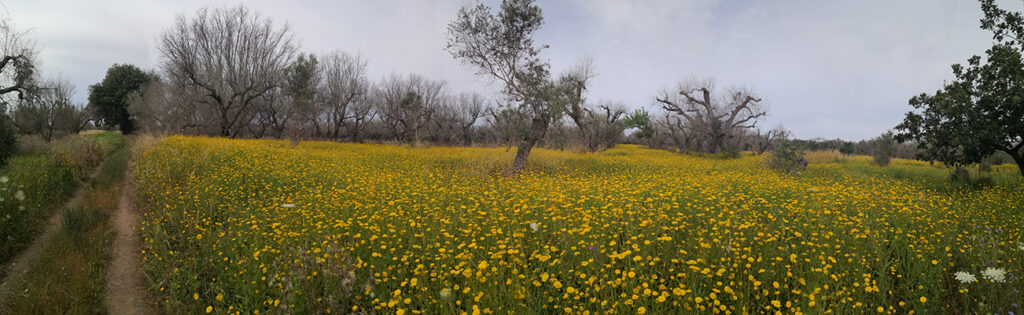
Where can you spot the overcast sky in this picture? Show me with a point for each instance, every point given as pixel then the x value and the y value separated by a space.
pixel 827 68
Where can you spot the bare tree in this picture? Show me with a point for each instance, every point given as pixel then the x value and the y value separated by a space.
pixel 18 63
pixel 716 119
pixel 361 112
pixel 408 104
pixel 229 56
pixel 469 107
pixel 49 111
pixel 763 141
pixel 343 87
pixel 164 106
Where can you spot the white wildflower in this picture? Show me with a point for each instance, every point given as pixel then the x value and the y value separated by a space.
pixel 19 195
pixel 3 179
pixel 534 226
pixel 288 205
pixel 994 274
pixel 1020 245
pixel 445 293
pixel 964 277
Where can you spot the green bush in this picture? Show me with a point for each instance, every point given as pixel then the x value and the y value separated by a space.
pixel 787 158
pixel 8 140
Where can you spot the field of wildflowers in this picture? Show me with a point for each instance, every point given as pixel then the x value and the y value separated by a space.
pixel 250 227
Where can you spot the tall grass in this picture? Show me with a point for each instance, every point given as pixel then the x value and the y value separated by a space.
pixel 38 183
pixel 69 275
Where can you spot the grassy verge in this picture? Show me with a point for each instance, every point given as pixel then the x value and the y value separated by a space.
pixel 70 274
pixel 34 185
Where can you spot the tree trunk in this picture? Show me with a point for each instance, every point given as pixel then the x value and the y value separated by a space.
pixel 537 130
pixel 1017 158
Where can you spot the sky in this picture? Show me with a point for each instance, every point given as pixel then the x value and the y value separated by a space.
pixel 829 69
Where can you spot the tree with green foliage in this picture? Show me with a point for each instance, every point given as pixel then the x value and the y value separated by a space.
pixel 501 46
pixel 641 120
pixel 980 112
pixel 109 98
pixel 882 148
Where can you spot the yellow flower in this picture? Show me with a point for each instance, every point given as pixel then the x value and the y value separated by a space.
pixel 642 310
pixel 209 309
pixel 924 299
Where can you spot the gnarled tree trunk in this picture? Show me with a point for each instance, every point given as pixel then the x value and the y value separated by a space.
pixel 537 130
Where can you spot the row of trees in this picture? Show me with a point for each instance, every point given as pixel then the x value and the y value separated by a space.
pixel 233 73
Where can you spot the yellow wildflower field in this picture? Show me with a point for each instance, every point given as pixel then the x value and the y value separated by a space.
pixel 256 226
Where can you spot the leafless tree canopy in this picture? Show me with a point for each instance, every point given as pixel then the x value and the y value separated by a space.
pixel 230 57
pixel 49 111
pixel 342 95
pixel 713 120
pixel 407 104
pixel 17 62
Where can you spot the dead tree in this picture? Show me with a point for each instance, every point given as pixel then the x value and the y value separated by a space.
pixel 469 108
pixel 716 119
pixel 763 142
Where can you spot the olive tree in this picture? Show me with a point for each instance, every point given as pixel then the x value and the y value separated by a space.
pixel 715 118
pixel 501 47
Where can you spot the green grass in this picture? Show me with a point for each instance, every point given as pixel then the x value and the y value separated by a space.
pixel 45 181
pixel 69 276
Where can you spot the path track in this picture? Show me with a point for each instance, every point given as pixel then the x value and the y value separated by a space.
pixel 126 293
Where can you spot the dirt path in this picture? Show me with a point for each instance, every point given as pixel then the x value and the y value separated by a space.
pixel 18 267
pixel 126 293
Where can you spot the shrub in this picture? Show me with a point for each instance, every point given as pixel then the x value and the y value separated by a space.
pixel 8 140
pixel 787 158
pixel 728 154
pixel 883 148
